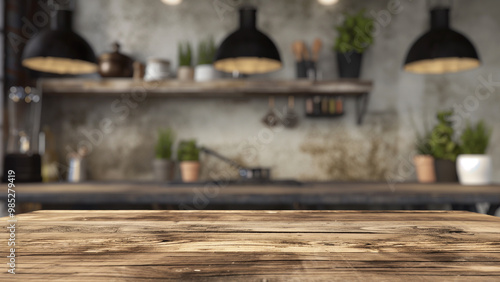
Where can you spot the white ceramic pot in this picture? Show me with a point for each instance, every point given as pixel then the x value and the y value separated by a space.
pixel 157 69
pixel 205 73
pixel 474 169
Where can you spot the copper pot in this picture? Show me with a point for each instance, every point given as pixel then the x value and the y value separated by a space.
pixel 115 64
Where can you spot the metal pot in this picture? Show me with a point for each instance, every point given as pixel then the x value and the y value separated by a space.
pixel 255 174
pixel 115 64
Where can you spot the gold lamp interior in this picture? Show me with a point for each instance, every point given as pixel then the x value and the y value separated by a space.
pixel 60 65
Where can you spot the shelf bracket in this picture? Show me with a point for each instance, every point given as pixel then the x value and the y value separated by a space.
pixel 361 107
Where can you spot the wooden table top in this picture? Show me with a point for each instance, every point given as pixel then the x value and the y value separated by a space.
pixel 255 246
pixel 318 193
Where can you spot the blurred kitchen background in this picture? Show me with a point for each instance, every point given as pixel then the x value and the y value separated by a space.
pixel 401 104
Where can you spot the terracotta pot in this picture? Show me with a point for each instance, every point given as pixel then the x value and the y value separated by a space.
pixel 424 164
pixel 185 73
pixel 163 170
pixel 190 171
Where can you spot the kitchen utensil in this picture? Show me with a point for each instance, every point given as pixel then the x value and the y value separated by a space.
pixel 115 64
pixel 310 73
pixel 316 50
pixel 256 173
pixel 157 69
pixel 291 119
pixel 77 171
pixel 271 119
pixel 298 48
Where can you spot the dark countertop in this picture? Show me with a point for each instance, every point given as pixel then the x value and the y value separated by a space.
pixel 195 196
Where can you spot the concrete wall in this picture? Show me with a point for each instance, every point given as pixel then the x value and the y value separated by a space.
pixel 319 149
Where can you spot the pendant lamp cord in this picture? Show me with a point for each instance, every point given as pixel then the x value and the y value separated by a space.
pixel 431 4
pixel 57 5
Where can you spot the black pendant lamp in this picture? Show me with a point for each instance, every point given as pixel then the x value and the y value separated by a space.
pixel 441 50
pixel 59 49
pixel 247 50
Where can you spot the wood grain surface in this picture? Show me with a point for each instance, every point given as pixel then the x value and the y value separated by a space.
pixel 307 194
pixel 255 246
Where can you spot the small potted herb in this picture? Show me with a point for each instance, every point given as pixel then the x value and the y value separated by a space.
pixel 185 71
pixel 355 35
pixel 163 166
pixel 424 161
pixel 444 149
pixel 188 155
pixel 473 165
pixel 205 71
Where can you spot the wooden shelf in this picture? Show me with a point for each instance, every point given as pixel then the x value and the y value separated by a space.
pixel 228 88
pixel 224 88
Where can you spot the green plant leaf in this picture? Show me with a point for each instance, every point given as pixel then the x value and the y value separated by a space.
pixel 355 34
pixel 185 54
pixel 441 143
pixel 206 52
pixel 475 139
pixel 163 149
pixel 188 151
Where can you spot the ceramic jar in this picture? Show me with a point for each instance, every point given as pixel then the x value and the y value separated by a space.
pixel 205 73
pixel 474 169
pixel 157 69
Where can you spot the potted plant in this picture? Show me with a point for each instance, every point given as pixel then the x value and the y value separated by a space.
pixel 205 70
pixel 163 166
pixel 188 156
pixel 473 165
pixel 185 71
pixel 355 35
pixel 424 161
pixel 444 149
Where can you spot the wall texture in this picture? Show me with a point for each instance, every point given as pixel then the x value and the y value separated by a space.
pixel 319 149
